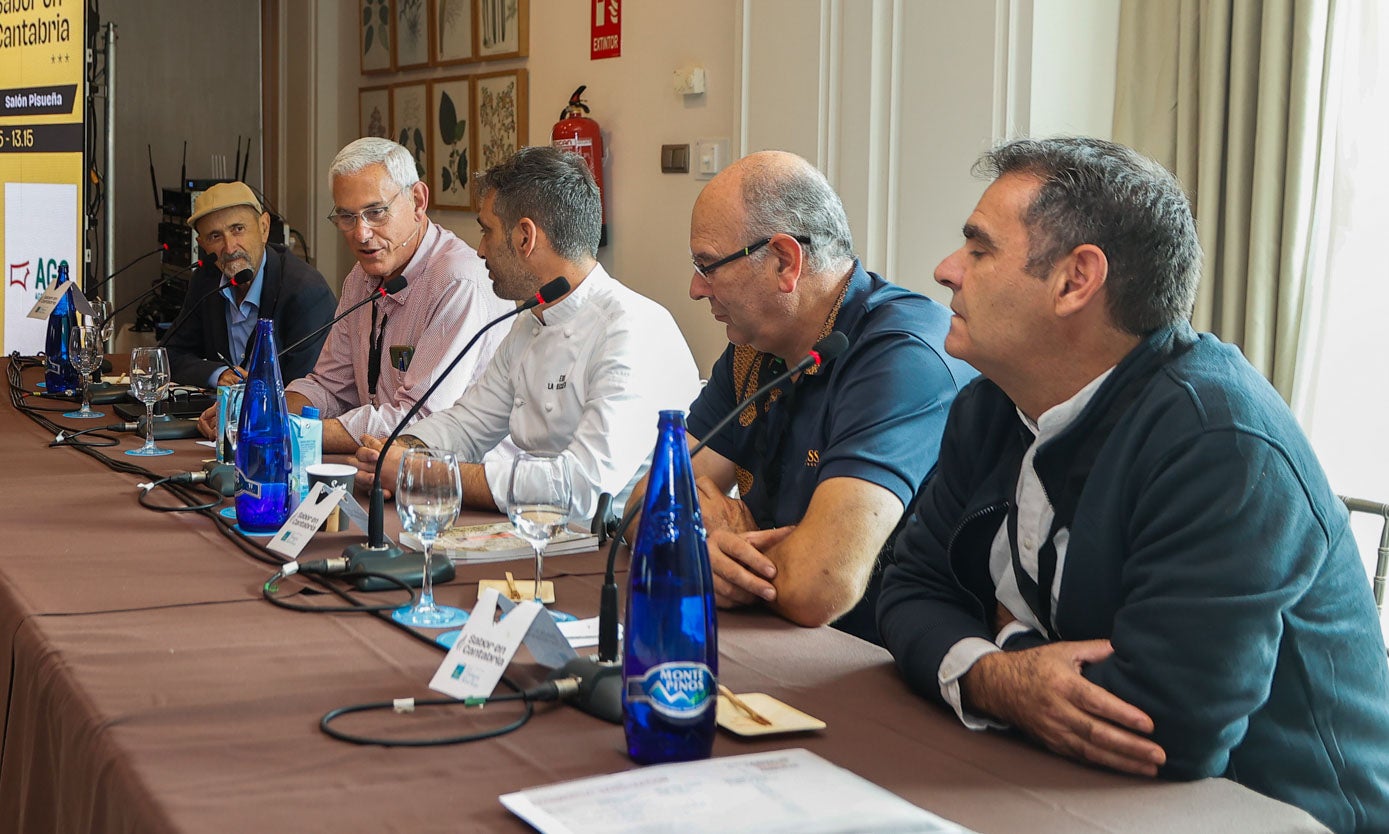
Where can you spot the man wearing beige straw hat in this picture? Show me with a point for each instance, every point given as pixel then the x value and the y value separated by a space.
pixel 212 334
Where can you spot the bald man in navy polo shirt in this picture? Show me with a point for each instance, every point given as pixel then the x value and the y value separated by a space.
pixel 825 465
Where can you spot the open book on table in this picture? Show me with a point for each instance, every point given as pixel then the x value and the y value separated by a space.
pixel 498 542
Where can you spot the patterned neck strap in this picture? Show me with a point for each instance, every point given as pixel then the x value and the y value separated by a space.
pixel 750 366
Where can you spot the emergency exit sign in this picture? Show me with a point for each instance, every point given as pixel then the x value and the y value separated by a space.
pixel 607 29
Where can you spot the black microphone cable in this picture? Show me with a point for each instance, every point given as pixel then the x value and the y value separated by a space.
pixel 551 690
pixel 318 572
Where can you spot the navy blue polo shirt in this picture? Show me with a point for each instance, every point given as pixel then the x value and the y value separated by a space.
pixel 875 413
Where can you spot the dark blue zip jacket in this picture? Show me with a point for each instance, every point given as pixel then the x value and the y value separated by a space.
pixel 1205 543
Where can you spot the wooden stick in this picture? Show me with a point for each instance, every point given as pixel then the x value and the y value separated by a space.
pixel 743 707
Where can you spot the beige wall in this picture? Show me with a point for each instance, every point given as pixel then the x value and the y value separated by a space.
pixel 893 99
pixel 631 97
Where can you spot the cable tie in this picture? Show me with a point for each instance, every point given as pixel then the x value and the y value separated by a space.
pixel 404 705
pixel 145 487
pixel 289 569
pixel 59 437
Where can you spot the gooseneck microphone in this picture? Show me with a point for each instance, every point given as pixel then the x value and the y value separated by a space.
pixel 391 287
pixel 600 693
pixel 376 556
pixel 157 285
pixel 91 292
pixel 245 276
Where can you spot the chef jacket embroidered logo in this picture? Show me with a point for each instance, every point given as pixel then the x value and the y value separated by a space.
pixel 679 690
pixel 558 385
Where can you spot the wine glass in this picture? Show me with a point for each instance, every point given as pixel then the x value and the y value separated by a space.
pixel 538 501
pixel 149 383
pixel 101 318
pixel 428 494
pixel 86 349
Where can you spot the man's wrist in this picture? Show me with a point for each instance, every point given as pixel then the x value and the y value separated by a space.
pixel 978 685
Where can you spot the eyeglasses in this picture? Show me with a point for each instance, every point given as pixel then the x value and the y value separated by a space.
pixel 706 271
pixel 375 216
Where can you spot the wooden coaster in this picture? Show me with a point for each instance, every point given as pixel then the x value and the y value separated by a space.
pixel 783 718
pixel 525 589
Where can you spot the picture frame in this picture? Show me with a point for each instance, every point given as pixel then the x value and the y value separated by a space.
pixel 502 29
pixel 453 40
pixel 374 24
pixel 499 116
pixel 411 34
pixel 410 122
pixel 374 111
pixel 450 143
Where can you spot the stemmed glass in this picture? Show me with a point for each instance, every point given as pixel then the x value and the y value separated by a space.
pixel 149 382
pixel 538 501
pixel 86 349
pixel 101 318
pixel 428 494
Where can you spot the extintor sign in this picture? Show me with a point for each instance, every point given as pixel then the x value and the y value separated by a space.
pixel 607 29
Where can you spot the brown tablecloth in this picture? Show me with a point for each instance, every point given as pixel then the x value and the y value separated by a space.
pixel 148 688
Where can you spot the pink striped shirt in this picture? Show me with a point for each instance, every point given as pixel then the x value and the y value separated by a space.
pixel 448 299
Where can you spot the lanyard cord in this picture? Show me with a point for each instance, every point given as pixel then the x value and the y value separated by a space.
pixel 376 341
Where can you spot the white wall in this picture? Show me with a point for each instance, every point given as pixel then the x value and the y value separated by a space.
pixel 1074 48
pixel 895 99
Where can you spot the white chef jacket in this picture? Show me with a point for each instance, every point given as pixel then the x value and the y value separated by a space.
pixel 586 381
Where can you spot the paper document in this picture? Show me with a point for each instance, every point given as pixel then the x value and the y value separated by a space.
pixel 790 791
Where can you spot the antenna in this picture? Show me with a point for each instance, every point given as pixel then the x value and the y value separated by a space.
pixel 245 163
pixel 154 181
pixel 183 169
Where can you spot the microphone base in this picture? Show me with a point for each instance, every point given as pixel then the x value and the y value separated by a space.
pixel 169 428
pixel 407 566
pixel 600 687
pixel 105 393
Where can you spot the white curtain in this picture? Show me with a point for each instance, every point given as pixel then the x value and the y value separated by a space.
pixel 1229 95
pixel 1341 387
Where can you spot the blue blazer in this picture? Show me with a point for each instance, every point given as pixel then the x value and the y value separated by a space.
pixel 294 295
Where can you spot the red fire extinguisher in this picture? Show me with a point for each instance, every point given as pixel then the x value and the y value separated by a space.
pixel 576 132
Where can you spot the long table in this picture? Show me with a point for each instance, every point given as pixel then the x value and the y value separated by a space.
pixel 149 688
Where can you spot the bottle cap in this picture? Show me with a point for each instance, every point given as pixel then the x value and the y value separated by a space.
pixel 310 412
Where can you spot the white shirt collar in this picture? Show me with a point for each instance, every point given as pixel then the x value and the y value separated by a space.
pixel 1054 420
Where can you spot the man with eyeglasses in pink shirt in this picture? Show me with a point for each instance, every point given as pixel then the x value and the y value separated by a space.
pixel 377 362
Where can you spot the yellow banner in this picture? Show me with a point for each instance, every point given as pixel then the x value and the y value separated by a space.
pixel 42 108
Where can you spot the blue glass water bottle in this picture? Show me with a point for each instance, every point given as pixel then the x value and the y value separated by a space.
pixel 263 459
pixel 670 660
pixel 59 375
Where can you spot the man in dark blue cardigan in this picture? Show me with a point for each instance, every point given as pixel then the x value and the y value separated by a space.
pixel 1128 550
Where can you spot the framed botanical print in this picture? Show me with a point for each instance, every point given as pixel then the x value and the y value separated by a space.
pixel 503 28
pixel 410 122
pixel 411 34
pixel 374 112
pixel 450 140
pixel 453 32
pixel 499 115
pixel 374 41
